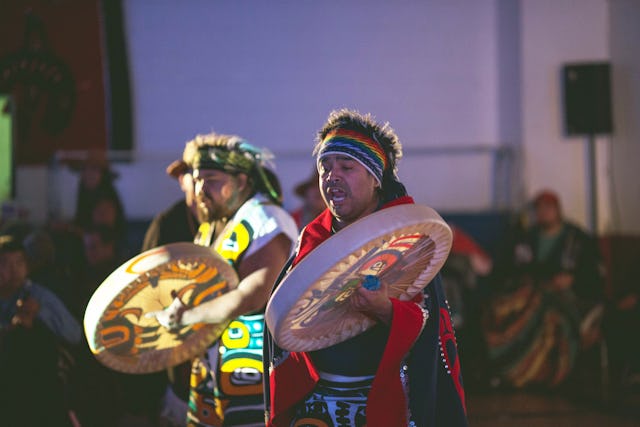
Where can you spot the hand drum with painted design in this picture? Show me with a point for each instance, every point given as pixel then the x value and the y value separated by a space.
pixel 117 330
pixel 402 246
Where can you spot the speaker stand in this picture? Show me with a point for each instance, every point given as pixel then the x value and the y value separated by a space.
pixel 593 183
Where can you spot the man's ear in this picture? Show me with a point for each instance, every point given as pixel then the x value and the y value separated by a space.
pixel 185 180
pixel 242 180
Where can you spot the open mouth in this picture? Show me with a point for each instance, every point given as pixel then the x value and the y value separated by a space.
pixel 336 195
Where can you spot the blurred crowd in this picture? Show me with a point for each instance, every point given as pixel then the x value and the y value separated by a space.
pixel 541 312
pixel 533 313
pixel 48 273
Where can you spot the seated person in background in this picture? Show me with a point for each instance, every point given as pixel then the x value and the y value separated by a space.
pixel 120 398
pixel 548 282
pixel 15 286
pixel 463 277
pixel 466 262
pixel 622 315
pixel 312 202
pixel 45 267
pixel 101 259
pixel 34 328
pixel 97 199
pixel 178 222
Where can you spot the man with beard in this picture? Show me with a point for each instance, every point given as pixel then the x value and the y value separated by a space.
pixel 233 185
pixel 402 371
pixel 177 223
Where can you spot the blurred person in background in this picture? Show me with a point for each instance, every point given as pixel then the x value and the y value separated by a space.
pixel 622 314
pixel 548 294
pixel 37 333
pixel 105 397
pixel 101 259
pixel 17 289
pixel 179 222
pixel 46 266
pixel 467 262
pixel 97 199
pixel 312 202
pixel 464 275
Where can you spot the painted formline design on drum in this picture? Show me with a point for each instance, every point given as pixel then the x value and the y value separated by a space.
pixel 406 254
pixel 117 331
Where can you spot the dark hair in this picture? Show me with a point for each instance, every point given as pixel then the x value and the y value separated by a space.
pixel 87 199
pixel 274 182
pixel 107 234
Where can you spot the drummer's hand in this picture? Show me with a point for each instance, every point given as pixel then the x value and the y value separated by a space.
pixel 171 316
pixel 374 303
pixel 26 313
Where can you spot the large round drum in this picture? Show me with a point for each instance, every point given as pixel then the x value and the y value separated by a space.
pixel 123 338
pixel 402 246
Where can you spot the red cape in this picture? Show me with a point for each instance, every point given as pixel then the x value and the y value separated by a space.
pixel 292 376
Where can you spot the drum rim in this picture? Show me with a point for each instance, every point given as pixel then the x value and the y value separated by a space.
pixel 393 218
pixel 106 293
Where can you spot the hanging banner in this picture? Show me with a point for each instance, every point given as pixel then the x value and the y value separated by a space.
pixel 51 63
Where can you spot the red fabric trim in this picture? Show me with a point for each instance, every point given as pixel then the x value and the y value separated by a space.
pixel 300 377
pixel 316 232
pixel 387 402
pixel 297 217
pixel 447 335
pixel 296 376
pixel 404 200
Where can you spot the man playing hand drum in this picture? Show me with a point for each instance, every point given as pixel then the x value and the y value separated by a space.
pixel 402 371
pixel 234 187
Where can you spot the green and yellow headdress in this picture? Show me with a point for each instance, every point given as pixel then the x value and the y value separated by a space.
pixel 233 155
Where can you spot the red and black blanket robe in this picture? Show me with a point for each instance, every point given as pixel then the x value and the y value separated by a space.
pixel 436 396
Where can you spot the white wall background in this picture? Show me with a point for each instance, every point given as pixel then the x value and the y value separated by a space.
pixel 555 33
pixel 272 74
pixel 624 174
pixel 457 80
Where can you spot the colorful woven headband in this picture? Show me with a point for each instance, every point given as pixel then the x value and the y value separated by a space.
pixel 366 151
pixel 238 157
pixel 221 158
